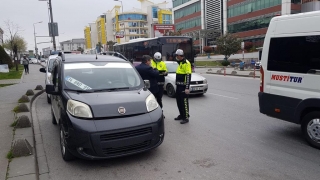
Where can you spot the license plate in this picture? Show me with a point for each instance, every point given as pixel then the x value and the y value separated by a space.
pixel 196 88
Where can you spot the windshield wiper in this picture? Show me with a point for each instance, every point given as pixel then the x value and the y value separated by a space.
pixel 80 91
pixel 110 89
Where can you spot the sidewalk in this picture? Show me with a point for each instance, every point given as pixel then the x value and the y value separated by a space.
pixel 9 96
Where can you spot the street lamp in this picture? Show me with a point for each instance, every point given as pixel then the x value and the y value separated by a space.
pixel 121 5
pixel 35 41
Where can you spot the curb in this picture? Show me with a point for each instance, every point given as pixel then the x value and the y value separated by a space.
pixel 21 167
pixel 41 158
pixel 239 75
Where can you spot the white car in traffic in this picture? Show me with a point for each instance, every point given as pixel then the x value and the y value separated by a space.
pixel 33 61
pixel 49 65
pixel 198 85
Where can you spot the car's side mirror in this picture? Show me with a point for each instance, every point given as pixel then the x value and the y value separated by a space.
pixel 131 60
pixel 51 90
pixel 146 84
pixel 43 70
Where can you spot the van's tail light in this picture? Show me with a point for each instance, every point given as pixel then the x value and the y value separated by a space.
pixel 261 78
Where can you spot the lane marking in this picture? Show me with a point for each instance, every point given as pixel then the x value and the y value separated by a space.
pixel 222 96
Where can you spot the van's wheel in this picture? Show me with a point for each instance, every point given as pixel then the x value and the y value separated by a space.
pixel 170 90
pixel 66 155
pixel 48 99
pixel 53 119
pixel 311 128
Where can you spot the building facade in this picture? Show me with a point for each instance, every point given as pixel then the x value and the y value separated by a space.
pixel 87 37
pixel 249 19
pixel 73 45
pixel 1 37
pixel 201 19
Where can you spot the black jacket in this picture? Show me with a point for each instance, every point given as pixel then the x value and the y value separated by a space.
pixel 148 73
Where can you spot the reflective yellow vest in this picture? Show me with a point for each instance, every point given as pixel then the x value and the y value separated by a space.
pixel 183 73
pixel 160 66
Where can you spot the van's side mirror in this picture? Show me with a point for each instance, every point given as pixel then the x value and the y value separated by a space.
pixel 131 60
pixel 50 89
pixel 42 70
pixel 146 84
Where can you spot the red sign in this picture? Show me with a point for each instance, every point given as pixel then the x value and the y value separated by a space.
pixel 160 30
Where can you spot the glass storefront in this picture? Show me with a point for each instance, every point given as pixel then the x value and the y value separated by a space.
pixel 250 25
pixel 190 23
pixel 192 8
pixel 176 3
pixel 250 6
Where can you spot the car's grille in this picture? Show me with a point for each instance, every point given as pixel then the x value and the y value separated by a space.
pixel 120 135
pixel 126 149
pixel 196 82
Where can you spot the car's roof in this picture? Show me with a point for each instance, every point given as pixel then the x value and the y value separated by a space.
pixel 91 58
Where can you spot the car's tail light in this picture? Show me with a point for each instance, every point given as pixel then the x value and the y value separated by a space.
pixel 261 78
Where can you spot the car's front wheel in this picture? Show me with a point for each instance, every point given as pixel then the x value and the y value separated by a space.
pixel 66 155
pixel 311 128
pixel 170 90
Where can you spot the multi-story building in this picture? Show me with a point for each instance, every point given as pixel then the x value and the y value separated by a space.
pixel 73 44
pixel 136 23
pixel 1 37
pixel 249 19
pixel 87 37
pixel 201 19
pixel 94 34
pixel 101 29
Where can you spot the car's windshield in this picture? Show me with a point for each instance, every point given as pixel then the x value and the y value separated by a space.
pixel 172 67
pixel 100 76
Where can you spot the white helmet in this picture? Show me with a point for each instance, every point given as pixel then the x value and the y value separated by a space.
pixel 179 52
pixel 157 56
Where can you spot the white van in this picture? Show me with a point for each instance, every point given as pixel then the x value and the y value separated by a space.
pixel 290 72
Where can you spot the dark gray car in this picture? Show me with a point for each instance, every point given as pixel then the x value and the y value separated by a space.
pixel 103 108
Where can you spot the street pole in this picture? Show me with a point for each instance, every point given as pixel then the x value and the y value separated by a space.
pixel 52 34
pixel 35 41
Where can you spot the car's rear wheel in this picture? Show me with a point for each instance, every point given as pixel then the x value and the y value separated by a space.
pixel 170 90
pixel 66 155
pixel 311 128
pixel 48 99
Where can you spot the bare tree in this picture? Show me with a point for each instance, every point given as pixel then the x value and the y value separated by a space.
pixel 12 33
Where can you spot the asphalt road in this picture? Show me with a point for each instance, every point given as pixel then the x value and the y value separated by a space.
pixel 227 138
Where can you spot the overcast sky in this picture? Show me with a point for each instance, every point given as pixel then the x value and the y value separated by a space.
pixel 71 16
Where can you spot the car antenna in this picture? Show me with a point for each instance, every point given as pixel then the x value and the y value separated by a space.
pixel 96 55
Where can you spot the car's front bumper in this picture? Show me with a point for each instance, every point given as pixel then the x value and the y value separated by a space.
pixel 102 139
pixel 198 88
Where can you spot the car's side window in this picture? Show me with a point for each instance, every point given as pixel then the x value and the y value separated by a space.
pixel 295 54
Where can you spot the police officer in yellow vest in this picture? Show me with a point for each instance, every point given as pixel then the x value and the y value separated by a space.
pixel 183 79
pixel 158 64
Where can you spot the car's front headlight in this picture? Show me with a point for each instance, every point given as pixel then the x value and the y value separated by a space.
pixel 205 81
pixel 151 103
pixel 79 109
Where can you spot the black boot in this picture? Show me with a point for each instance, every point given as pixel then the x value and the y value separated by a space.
pixel 184 121
pixel 178 118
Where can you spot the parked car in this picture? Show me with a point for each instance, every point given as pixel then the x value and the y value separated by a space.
pixel 257 65
pixel 43 60
pixel 103 108
pixel 48 68
pixel 198 83
pixel 33 61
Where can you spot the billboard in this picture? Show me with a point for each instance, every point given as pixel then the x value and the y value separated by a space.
pixel 160 30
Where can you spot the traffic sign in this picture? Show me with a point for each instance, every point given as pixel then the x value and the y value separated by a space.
pixel 120 34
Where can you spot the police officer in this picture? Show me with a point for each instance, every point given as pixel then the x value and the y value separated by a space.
pixel 158 64
pixel 148 73
pixel 183 79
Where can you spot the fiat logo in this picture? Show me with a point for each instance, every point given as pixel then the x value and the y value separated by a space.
pixel 121 110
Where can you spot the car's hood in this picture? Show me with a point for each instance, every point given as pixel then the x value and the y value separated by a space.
pixel 106 104
pixel 194 77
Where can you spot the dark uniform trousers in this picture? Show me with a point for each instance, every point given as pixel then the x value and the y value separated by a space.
pixel 182 101
pixel 159 95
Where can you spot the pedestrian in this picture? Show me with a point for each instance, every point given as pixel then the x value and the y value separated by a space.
pixel 183 79
pixel 148 73
pixel 158 64
pixel 25 63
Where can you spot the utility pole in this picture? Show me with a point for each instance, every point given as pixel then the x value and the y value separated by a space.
pixel 52 32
